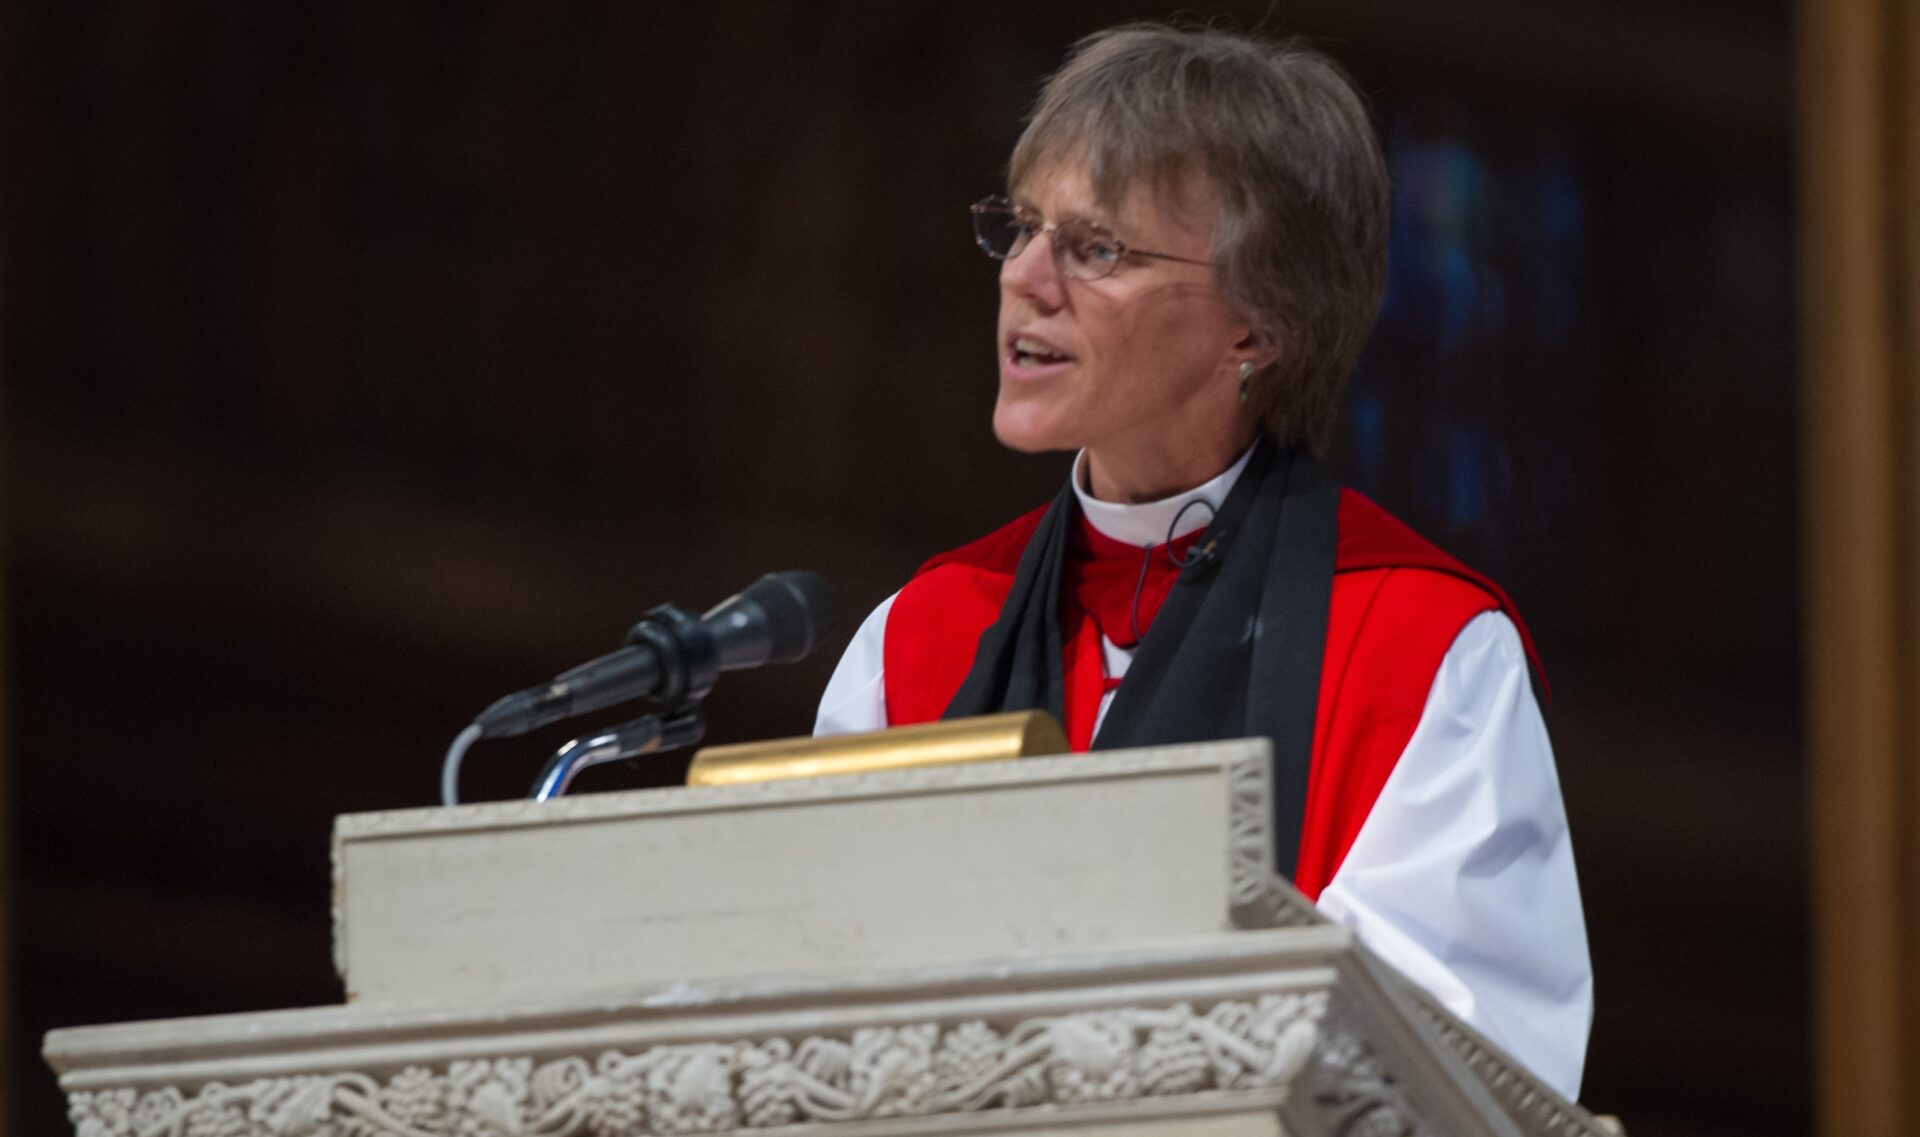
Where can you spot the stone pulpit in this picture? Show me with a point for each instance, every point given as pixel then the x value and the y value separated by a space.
pixel 1088 945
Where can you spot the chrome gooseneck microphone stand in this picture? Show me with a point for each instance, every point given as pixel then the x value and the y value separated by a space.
pixel 648 734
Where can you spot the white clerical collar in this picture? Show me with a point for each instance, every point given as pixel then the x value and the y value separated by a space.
pixel 1149 523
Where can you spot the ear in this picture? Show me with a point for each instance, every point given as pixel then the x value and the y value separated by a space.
pixel 1256 348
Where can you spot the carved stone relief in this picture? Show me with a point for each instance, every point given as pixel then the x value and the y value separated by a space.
pixel 1353 1095
pixel 923 1069
pixel 1258 897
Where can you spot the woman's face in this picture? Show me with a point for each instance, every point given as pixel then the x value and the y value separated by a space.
pixel 1140 368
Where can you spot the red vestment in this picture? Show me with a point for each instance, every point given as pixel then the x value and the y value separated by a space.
pixel 1397 605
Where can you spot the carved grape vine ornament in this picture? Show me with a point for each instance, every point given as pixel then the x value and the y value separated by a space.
pixel 877 1072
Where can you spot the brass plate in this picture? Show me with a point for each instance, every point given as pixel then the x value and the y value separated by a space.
pixel 987 738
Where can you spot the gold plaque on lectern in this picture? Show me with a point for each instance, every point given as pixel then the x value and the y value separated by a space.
pixel 988 738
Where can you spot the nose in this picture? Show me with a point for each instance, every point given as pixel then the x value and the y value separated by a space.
pixel 1032 274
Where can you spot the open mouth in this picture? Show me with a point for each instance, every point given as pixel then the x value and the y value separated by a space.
pixel 1033 353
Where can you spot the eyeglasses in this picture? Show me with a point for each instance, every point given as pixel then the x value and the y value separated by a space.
pixel 1082 249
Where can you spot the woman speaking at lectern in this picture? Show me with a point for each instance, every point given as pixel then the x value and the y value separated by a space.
pixel 1192 251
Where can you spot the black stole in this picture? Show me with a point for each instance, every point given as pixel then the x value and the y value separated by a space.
pixel 1234 652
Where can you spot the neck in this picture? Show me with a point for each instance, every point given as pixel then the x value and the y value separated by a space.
pixel 1135 477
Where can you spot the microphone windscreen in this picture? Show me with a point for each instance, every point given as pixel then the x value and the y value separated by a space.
pixel 799 612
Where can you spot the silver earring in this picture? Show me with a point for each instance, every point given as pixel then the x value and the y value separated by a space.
pixel 1246 376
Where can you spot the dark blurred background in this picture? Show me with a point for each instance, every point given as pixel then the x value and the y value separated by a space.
pixel 365 361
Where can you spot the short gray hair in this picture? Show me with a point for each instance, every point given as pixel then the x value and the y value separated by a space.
pixel 1292 167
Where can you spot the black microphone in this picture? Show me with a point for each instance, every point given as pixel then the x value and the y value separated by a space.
pixel 674 656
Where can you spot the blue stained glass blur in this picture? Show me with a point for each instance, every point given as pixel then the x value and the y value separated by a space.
pixel 1458 414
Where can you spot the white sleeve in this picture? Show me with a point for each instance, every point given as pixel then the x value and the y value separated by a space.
pixel 855 700
pixel 1462 875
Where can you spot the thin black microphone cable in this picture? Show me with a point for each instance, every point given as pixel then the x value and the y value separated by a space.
pixel 1181 563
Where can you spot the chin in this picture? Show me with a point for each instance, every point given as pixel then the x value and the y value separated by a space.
pixel 1026 429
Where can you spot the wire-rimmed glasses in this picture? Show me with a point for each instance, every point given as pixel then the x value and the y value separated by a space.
pixel 1083 250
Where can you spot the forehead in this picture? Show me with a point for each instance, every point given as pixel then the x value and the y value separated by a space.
pixel 1060 190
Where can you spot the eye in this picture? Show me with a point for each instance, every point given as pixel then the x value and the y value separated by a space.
pixel 1024 224
pixel 1092 245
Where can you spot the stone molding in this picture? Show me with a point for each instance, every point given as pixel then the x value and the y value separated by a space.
pixel 1290 1021
pixel 915 1070
pixel 1536 1109
pixel 1155 761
